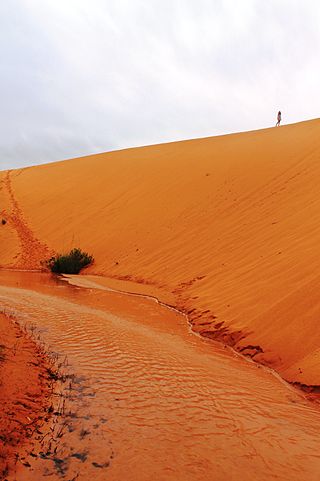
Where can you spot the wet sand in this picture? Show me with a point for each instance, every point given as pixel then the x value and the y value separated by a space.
pixel 25 395
pixel 155 401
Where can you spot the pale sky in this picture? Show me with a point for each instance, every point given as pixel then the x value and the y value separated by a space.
pixel 87 76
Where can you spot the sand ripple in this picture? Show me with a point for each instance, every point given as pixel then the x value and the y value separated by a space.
pixel 169 405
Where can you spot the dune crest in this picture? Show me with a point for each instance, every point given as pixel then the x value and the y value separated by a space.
pixel 226 227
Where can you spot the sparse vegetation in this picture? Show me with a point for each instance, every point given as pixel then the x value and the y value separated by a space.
pixel 71 263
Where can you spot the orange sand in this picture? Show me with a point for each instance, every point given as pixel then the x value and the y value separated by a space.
pixel 149 400
pixel 24 395
pixel 226 227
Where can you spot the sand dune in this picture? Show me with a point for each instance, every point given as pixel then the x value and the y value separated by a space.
pixel 226 228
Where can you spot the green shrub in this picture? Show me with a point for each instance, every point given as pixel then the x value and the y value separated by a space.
pixel 71 263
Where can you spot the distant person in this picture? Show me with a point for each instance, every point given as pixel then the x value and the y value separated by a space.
pixel 278 119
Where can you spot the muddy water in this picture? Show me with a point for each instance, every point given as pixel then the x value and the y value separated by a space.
pixel 157 402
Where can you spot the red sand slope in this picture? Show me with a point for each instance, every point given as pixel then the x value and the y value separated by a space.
pixel 228 225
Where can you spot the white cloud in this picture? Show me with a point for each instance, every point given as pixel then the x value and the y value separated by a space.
pixel 82 76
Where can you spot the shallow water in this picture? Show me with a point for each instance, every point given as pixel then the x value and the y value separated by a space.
pixel 155 401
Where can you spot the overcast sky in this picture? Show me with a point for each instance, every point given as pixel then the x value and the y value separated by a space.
pixel 87 76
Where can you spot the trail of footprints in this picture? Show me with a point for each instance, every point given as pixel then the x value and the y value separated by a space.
pixel 33 251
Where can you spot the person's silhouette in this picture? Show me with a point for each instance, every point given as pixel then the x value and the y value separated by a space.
pixel 278 119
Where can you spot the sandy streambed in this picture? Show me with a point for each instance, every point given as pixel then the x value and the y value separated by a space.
pixel 26 388
pixel 154 401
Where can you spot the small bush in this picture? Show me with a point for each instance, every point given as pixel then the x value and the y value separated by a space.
pixel 71 263
pixel 3 222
